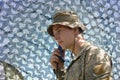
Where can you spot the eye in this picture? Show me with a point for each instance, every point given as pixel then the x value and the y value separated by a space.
pixel 59 30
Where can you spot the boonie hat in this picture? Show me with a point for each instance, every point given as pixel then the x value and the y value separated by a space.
pixel 65 18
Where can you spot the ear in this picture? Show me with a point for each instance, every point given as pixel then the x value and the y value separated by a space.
pixel 76 31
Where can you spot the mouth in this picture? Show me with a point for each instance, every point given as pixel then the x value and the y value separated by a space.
pixel 60 42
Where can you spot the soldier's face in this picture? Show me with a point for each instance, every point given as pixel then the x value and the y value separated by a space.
pixel 64 36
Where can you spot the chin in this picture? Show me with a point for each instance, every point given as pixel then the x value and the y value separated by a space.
pixel 62 47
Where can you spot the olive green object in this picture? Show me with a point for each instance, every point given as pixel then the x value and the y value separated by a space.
pixel 10 72
pixel 66 18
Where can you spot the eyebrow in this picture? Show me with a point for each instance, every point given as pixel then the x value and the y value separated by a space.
pixel 61 26
pixel 58 26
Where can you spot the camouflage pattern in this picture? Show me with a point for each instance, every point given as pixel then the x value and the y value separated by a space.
pixel 66 18
pixel 92 63
pixel 10 72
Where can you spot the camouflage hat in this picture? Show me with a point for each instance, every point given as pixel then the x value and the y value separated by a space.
pixel 66 18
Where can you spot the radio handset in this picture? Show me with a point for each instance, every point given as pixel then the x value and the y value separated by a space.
pixel 60 57
pixel 61 52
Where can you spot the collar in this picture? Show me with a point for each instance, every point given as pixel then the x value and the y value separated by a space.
pixel 82 49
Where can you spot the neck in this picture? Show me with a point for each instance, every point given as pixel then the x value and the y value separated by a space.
pixel 76 47
pixel 77 44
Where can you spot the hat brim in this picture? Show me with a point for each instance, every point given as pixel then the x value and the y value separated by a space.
pixel 73 25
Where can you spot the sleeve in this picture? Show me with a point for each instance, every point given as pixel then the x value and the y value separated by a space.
pixel 98 65
pixel 60 74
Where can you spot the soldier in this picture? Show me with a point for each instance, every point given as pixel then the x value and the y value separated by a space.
pixel 89 63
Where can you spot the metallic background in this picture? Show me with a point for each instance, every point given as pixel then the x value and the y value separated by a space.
pixel 25 44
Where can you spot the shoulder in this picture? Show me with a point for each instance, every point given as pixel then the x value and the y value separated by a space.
pixel 97 52
pixel 96 55
pixel 94 52
pixel 98 62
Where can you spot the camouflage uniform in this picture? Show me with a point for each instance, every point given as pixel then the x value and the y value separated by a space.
pixel 92 63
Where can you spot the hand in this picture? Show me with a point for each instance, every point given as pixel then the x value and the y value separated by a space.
pixel 55 61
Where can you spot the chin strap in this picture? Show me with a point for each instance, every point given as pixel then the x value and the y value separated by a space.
pixel 73 49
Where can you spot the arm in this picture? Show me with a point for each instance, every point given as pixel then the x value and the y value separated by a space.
pixel 57 64
pixel 60 74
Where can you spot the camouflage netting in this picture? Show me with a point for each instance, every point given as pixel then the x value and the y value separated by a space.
pixel 25 44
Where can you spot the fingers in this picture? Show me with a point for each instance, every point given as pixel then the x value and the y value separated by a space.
pixel 55 61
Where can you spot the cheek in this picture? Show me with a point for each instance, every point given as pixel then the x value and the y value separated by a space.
pixel 65 35
pixel 68 37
